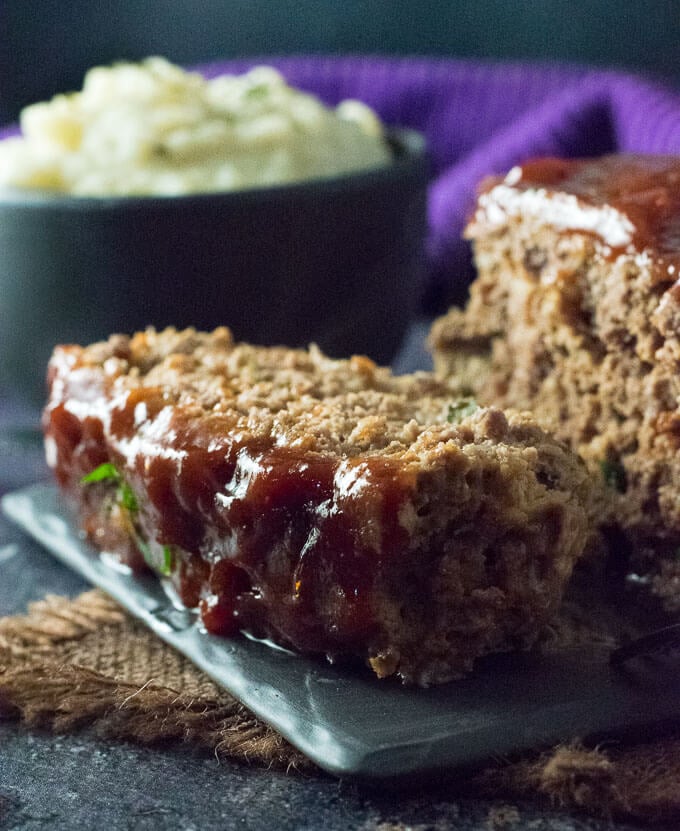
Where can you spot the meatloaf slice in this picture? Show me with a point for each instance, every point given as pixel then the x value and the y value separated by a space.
pixel 327 505
pixel 575 315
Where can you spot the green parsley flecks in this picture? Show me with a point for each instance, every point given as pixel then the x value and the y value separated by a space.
pixel 461 409
pixel 108 472
pixel 104 473
pixel 257 91
pixel 126 499
pixel 166 567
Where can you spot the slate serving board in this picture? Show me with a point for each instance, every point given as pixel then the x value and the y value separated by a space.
pixel 352 724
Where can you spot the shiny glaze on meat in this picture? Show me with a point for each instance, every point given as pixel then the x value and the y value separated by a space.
pixel 261 531
pixel 631 202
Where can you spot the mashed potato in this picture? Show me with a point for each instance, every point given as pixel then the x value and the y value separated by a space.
pixel 152 128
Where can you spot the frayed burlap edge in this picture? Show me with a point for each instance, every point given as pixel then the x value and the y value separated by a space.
pixel 71 664
pixel 640 782
pixel 83 663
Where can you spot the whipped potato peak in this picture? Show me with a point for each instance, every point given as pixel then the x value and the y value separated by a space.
pixel 154 129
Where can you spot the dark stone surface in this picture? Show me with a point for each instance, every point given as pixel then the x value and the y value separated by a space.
pixel 79 782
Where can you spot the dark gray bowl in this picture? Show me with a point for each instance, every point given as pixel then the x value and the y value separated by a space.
pixel 336 262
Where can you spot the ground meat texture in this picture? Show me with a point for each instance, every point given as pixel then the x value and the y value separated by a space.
pixel 327 505
pixel 575 315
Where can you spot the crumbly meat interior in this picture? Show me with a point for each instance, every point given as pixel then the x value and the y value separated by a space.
pixel 589 343
pixel 326 504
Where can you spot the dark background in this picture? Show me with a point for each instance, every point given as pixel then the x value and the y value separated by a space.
pixel 46 45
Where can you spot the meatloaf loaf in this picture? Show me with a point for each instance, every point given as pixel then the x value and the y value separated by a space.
pixel 575 315
pixel 326 505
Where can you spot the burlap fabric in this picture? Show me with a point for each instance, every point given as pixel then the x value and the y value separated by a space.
pixel 84 663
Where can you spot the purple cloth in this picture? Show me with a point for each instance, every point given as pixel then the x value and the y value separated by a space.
pixel 482 118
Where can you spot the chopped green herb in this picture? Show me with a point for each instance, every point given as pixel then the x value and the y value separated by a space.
pixel 108 472
pixel 161 565
pixel 614 475
pixel 257 91
pixel 145 548
pixel 461 409
pixel 127 498
pixel 104 473
pixel 166 568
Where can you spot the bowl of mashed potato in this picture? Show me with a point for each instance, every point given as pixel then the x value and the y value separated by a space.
pixel 156 197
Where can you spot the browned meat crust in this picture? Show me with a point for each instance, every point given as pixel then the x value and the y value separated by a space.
pixel 325 504
pixel 575 315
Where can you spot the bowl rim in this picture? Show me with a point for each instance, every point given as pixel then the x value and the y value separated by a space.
pixel 410 156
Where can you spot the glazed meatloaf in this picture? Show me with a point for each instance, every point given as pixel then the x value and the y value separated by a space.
pixel 575 315
pixel 326 505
